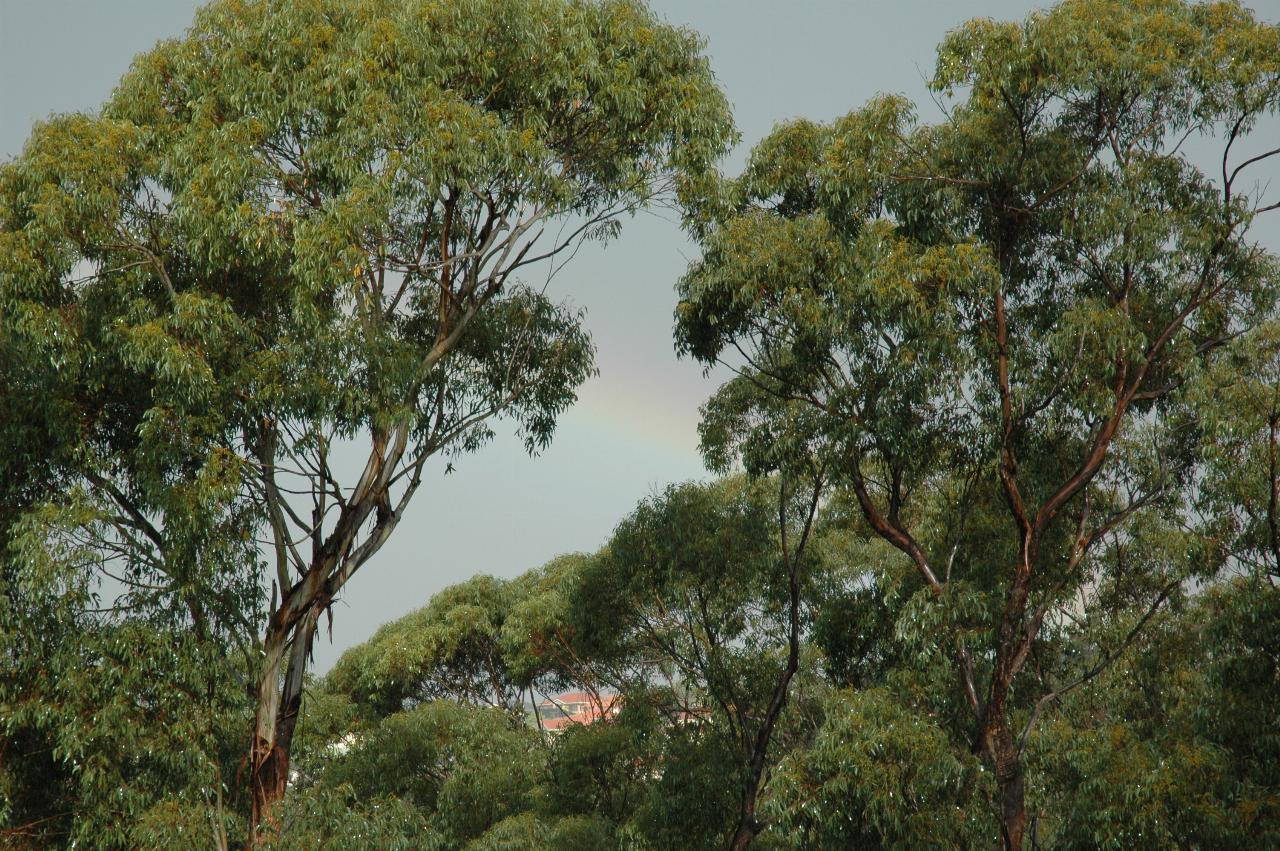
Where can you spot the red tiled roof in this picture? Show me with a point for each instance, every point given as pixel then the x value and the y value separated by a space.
pixel 568 697
pixel 593 712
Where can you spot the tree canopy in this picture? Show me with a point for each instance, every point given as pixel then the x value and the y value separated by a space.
pixel 988 328
pixel 994 551
pixel 305 225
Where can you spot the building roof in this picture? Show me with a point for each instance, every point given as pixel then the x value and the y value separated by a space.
pixel 592 709
pixel 567 697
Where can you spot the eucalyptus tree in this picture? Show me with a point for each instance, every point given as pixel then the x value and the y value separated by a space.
pixel 878 775
pixel 450 649
pixel 1176 746
pixel 1237 404
pixel 541 635
pixel 461 769
pixel 112 472
pixel 700 598
pixel 308 228
pixel 485 642
pixel 1001 309
pixel 112 729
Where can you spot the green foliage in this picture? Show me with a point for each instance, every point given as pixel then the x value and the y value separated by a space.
pixel 451 648
pixel 684 612
pixel 1026 356
pixel 541 631
pixel 522 831
pixel 694 608
pixel 879 776
pixel 1238 410
pixel 694 801
pixel 694 580
pixel 1171 742
pixel 124 726
pixel 297 224
pixel 333 819
pixel 583 833
pixel 439 775
pixel 486 641
pixel 467 768
pixel 995 335
pixel 1176 745
pixel 604 769
pixel 113 731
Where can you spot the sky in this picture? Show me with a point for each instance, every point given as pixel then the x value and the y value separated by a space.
pixel 634 428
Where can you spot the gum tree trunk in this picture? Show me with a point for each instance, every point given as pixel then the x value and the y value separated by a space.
pixel 276 718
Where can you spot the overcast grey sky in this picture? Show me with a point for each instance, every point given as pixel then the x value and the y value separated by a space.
pixel 634 429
